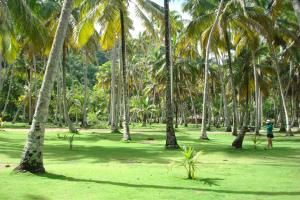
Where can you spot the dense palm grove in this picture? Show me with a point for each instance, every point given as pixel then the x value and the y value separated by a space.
pixel 234 64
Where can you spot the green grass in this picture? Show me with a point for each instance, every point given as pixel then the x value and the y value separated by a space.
pixel 101 166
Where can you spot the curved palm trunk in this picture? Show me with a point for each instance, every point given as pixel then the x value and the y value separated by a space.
pixel 205 91
pixel 296 6
pixel 282 97
pixel 126 134
pixel 8 93
pixel 32 158
pixel 171 141
pixel 114 119
pixel 71 127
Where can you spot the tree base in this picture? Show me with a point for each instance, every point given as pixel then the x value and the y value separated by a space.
pixel 115 131
pixel 238 142
pixel 282 130
pixel 172 146
pixel 228 129
pixel 204 138
pixel 289 134
pixel 23 168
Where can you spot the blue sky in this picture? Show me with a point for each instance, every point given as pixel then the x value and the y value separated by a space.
pixel 174 5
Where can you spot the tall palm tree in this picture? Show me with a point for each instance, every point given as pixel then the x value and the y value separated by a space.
pixel 171 141
pixel 126 134
pixel 205 91
pixel 32 158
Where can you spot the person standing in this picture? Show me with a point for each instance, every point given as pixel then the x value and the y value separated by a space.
pixel 270 135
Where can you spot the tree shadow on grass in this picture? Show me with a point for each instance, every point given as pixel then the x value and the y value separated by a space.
pixel 165 187
pixel 35 197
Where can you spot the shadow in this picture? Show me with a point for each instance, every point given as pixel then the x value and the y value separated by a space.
pixel 92 145
pixel 35 197
pixel 210 181
pixel 261 193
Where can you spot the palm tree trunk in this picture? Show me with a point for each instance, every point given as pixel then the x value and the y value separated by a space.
pixel 114 119
pixel 205 91
pixel 283 101
pixel 8 92
pixel 226 116
pixel 29 95
pixel 256 95
pixel 234 97
pixel 193 107
pixel 32 158
pixel 238 141
pixel 71 127
pixel 84 123
pixel 296 6
pixel 17 113
pixel 171 141
pixel 126 133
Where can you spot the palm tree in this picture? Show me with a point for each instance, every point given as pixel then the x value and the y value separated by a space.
pixel 114 114
pixel 171 141
pixel 126 134
pixel 205 91
pixel 32 158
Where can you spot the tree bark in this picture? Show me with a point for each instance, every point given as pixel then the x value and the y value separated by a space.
pixel 234 96
pixel 84 123
pixel 171 141
pixel 8 92
pixel 126 133
pixel 256 95
pixel 205 91
pixel 114 118
pixel 32 158
pixel 226 116
pixel 283 101
pixel 29 95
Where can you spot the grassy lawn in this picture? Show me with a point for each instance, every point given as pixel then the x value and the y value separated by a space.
pixel 100 166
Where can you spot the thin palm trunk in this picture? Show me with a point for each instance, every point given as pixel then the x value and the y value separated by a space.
pixel 226 116
pixel 114 118
pixel 126 133
pixel 234 96
pixel 282 97
pixel 32 158
pixel 171 141
pixel 193 107
pixel 256 95
pixel 70 124
pixel 29 95
pixel 205 91
pixel 85 91
pixel 8 92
